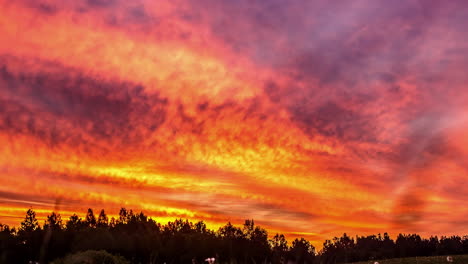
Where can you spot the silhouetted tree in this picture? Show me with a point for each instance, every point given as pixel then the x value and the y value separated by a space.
pixel 123 216
pixel 408 245
pixel 233 242
pixel 302 251
pixel 54 238
pixel 200 227
pixel 257 242
pixel 103 220
pixel 9 251
pixel 279 247
pixel 30 236
pixel 90 218
pixel 388 247
pixel 340 250
pixel 54 221
pixel 450 245
pixel 139 239
pixel 30 222
pixel 75 223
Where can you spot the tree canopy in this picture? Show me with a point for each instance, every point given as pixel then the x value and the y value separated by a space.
pixel 136 238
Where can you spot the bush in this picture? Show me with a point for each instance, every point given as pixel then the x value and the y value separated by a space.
pixel 92 257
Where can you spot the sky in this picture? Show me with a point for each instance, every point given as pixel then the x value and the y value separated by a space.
pixel 314 118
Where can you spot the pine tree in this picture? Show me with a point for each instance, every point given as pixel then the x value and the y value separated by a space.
pixel 74 223
pixel 90 218
pixel 54 221
pixel 103 220
pixel 30 222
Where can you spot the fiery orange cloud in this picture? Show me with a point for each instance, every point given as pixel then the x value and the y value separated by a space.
pixel 312 123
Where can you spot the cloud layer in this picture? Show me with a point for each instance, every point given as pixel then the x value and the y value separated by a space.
pixel 313 118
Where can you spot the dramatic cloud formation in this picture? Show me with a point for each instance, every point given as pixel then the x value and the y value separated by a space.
pixel 312 117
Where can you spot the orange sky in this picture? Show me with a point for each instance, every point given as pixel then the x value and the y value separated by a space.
pixel 314 119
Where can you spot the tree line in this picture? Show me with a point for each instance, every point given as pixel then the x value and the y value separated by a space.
pixel 139 239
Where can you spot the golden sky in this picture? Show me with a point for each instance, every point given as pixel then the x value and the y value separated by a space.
pixel 313 118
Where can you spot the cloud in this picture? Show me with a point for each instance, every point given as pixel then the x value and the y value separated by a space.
pixel 315 117
pixel 68 107
pixel 331 120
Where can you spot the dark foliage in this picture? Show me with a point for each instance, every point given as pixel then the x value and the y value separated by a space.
pixel 91 257
pixel 135 238
pixel 347 249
